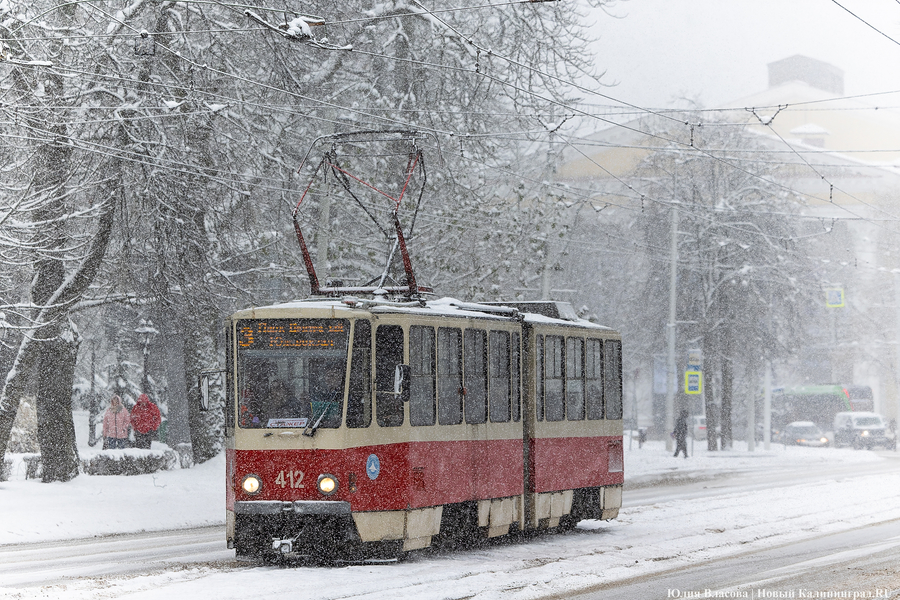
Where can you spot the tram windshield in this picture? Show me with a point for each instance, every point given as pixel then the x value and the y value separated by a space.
pixel 291 372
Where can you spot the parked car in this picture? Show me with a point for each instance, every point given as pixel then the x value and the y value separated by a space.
pixel 803 433
pixel 698 427
pixel 862 430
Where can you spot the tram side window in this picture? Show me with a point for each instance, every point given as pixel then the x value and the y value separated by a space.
pixel 593 376
pixel 554 401
pixel 388 354
pixel 359 401
pixel 475 341
pixel 515 378
pixel 539 369
pixel 499 377
pixel 450 384
pixel 574 379
pixel 421 363
pixel 612 371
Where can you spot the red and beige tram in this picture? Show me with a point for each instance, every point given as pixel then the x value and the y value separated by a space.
pixel 357 425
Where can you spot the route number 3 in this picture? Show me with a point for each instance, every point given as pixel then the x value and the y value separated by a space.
pixel 294 479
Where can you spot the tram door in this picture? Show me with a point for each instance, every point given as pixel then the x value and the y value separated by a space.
pixel 388 354
pixel 475 403
pixel 491 383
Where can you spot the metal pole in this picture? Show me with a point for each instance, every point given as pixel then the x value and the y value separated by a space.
pixel 892 409
pixel 670 379
pixel 94 402
pixel 545 279
pixel 767 407
pixel 751 423
pixel 145 379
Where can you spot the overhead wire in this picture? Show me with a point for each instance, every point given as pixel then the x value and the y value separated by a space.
pixel 440 66
pixel 418 62
pixel 699 211
pixel 552 101
pixel 826 180
pixel 187 168
pixel 864 22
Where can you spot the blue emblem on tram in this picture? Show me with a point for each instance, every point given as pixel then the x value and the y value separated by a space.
pixel 373 466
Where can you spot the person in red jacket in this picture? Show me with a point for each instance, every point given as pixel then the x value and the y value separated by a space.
pixel 115 425
pixel 145 420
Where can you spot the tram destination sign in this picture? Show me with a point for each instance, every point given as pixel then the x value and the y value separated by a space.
pixel 298 334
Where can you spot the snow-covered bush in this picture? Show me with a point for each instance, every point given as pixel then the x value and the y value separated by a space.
pixel 130 462
pixel 33 467
pixel 23 438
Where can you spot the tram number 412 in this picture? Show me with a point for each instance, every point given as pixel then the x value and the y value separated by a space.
pixel 294 479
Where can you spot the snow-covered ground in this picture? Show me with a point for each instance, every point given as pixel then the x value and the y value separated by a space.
pixel 646 538
pixel 92 505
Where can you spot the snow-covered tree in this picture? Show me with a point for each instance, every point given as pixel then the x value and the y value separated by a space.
pixel 744 277
pixel 171 133
pixel 59 218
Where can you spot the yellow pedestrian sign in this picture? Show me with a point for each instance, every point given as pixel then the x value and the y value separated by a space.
pixel 693 382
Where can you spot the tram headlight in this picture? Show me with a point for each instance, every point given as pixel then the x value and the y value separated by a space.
pixel 327 484
pixel 251 484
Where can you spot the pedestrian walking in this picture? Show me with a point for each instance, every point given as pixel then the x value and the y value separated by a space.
pixel 116 423
pixel 681 429
pixel 145 420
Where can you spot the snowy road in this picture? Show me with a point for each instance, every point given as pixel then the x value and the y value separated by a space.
pixel 50 563
pixel 861 560
pixel 749 524
pixel 684 484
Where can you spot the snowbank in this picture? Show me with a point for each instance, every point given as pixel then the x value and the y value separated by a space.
pixel 96 505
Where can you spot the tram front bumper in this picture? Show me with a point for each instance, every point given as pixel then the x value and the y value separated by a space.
pixel 308 527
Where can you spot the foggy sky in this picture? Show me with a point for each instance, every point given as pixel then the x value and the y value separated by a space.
pixel 717 50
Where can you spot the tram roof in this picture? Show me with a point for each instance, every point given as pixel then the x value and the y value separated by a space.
pixel 546 312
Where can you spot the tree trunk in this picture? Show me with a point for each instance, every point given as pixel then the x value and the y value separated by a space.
pixel 204 434
pixel 727 394
pixel 178 430
pixel 56 429
pixel 59 453
pixel 31 357
pixel 712 412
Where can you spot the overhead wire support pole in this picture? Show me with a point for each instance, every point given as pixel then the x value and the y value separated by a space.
pixel 767 406
pixel 670 330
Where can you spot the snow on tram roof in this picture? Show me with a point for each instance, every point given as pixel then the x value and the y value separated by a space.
pixel 547 312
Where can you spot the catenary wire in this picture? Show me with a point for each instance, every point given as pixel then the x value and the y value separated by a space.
pixel 449 133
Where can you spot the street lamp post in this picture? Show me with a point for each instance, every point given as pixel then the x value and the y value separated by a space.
pixel 93 399
pixel 147 330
